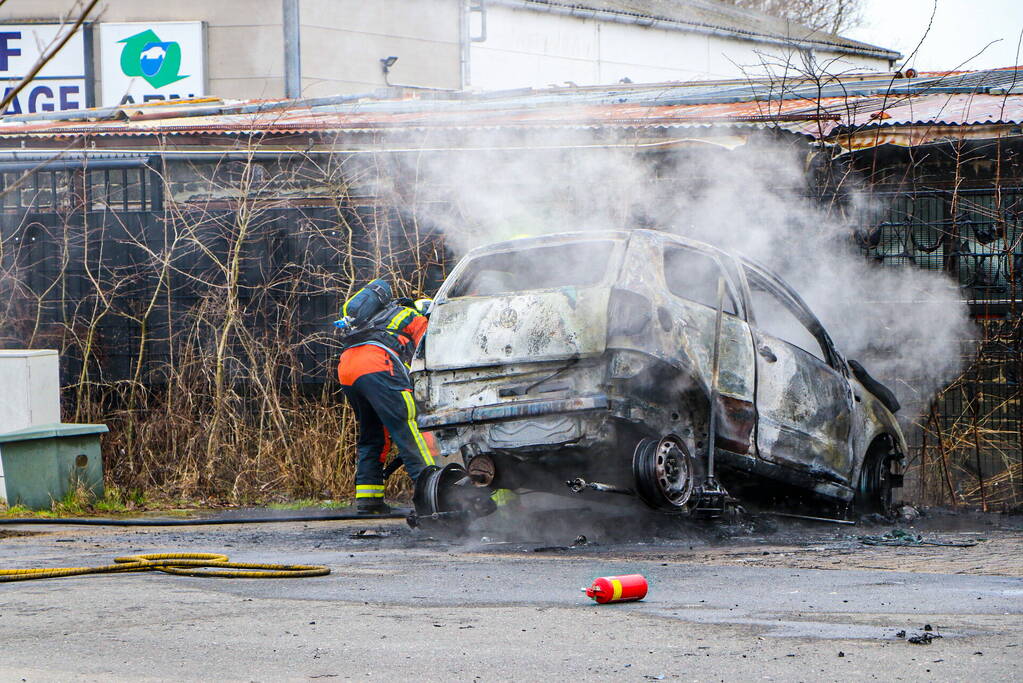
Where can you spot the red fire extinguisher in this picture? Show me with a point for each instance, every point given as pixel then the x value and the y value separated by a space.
pixel 617 588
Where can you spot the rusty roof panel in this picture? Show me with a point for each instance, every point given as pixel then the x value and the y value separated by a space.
pixel 954 109
pixel 856 103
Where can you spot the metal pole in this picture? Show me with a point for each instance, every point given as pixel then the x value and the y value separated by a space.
pixel 292 50
pixel 923 464
pixel 464 43
pixel 976 436
pixel 943 454
pixel 715 366
pixel 829 520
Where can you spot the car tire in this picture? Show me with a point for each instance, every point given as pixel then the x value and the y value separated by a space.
pixel 665 474
pixel 874 492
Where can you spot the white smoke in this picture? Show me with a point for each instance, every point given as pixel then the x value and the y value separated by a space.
pixel 907 326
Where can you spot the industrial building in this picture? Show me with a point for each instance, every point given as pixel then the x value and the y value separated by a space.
pixel 264 49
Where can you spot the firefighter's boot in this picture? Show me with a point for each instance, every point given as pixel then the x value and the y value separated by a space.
pixel 372 507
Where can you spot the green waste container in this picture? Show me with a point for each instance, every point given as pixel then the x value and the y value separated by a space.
pixel 42 463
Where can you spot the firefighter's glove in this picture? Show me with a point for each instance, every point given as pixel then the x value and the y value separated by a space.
pixel 424 306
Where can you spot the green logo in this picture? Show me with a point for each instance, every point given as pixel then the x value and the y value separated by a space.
pixel 156 61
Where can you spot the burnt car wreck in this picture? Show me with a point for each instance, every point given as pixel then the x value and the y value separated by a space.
pixel 588 364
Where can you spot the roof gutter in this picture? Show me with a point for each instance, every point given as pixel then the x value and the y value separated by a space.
pixel 73 165
pixel 22 162
pixel 91 158
pixel 703 29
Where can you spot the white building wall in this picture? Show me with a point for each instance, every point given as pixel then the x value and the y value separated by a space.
pixel 534 49
pixel 344 40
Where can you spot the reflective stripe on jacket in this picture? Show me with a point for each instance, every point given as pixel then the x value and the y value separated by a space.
pixel 365 357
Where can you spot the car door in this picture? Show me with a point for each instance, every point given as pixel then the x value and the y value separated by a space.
pixel 803 400
pixel 691 279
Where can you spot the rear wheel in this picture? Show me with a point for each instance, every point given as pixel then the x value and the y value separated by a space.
pixel 664 472
pixel 446 497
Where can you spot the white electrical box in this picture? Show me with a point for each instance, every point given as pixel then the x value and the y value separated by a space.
pixel 29 393
pixel 29 389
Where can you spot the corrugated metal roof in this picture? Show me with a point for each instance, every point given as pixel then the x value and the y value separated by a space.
pixel 560 114
pixel 939 109
pixel 854 103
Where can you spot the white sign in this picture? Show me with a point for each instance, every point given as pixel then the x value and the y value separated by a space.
pixel 62 82
pixel 146 62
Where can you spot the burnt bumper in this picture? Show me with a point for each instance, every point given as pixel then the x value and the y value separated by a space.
pixel 512 411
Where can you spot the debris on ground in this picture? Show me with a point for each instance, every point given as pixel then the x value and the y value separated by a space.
pixel 4 533
pixel 902 538
pixel 487 540
pixel 926 635
pixel 369 533
pixel 908 513
pixel 875 518
pixel 580 540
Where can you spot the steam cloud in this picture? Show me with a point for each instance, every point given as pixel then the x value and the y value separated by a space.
pixel 907 326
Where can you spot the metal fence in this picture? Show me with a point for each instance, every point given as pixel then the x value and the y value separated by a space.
pixel 95 263
pixel 968 443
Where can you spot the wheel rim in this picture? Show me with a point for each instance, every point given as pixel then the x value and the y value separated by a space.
pixel 674 472
pixel 435 493
pixel 664 473
pixel 425 497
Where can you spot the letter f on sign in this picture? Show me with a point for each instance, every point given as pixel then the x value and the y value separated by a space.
pixel 6 51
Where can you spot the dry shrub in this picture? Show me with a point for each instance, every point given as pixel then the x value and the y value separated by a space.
pixel 199 330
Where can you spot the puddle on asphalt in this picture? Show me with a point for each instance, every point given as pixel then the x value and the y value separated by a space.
pixel 10 533
pixel 787 628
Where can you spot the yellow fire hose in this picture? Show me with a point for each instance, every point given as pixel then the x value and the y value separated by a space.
pixel 183 564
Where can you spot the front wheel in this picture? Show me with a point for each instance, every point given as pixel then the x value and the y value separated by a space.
pixel 877 481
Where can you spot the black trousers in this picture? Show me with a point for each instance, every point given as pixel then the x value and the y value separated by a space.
pixel 386 412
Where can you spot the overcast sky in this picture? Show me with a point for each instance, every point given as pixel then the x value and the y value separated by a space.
pixel 961 29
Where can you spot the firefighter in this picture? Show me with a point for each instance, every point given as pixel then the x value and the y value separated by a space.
pixel 380 334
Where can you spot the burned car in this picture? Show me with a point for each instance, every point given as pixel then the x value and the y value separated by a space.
pixel 644 364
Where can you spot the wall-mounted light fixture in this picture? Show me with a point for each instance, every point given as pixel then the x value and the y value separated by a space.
pixel 386 63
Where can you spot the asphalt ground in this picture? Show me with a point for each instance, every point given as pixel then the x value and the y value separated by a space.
pixel 793 602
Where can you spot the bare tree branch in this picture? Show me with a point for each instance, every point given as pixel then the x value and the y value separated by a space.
pixel 47 56
pixel 831 16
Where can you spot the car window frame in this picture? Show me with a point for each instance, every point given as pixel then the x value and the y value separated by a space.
pixel 776 287
pixel 732 288
pixel 614 267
